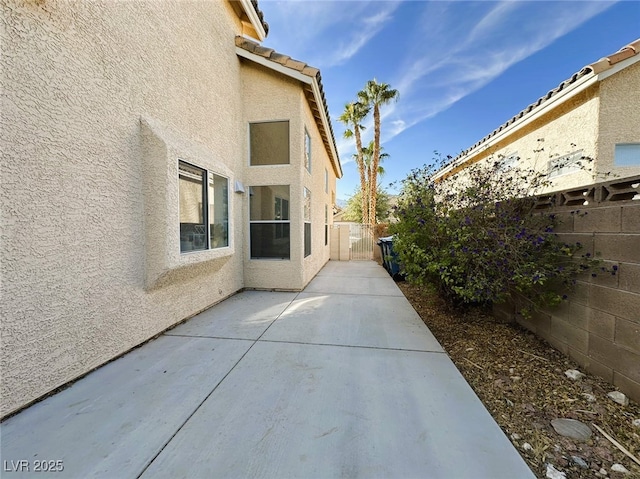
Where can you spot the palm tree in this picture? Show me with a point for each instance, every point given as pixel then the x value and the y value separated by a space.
pixel 367 159
pixel 352 117
pixel 374 96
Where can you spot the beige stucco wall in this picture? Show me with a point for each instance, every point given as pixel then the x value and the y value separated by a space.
pixel 271 96
pixel 570 127
pixel 315 182
pixel 592 121
pixel 619 118
pixel 99 99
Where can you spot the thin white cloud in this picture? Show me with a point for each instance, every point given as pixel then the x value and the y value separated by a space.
pixel 506 33
pixel 457 47
pixel 493 21
pixel 332 31
pixel 362 32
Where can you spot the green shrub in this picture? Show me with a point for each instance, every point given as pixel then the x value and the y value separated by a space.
pixel 477 236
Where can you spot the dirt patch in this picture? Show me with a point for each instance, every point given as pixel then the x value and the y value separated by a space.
pixel 521 381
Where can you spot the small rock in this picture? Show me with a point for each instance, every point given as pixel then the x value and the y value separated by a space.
pixel 512 370
pixel 620 468
pixel 580 462
pixel 518 378
pixel 636 423
pixel 603 471
pixel 553 473
pixel 589 397
pixel 604 453
pixel 527 447
pixel 515 436
pixel 572 428
pixel 573 374
pixel 618 397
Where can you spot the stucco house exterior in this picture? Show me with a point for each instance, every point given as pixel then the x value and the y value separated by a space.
pixel 594 114
pixel 155 160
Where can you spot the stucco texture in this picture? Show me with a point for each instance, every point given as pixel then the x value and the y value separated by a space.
pixel 591 122
pixel 84 276
pixel 570 127
pixel 619 118
pixel 272 96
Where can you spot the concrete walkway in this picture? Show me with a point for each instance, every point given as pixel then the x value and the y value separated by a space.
pixel 341 380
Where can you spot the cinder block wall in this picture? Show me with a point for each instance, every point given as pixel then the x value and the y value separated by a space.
pixel 599 325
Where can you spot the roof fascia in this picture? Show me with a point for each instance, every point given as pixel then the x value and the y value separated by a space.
pixel 627 62
pixel 325 122
pixel 306 80
pixel 241 52
pixel 247 6
pixel 579 86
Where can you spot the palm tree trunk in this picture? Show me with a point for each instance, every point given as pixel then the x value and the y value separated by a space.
pixel 363 179
pixel 373 184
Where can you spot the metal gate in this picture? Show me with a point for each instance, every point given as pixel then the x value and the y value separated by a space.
pixel 360 241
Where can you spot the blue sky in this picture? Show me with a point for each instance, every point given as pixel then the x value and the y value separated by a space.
pixel 462 68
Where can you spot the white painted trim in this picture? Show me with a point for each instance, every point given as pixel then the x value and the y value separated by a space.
pixel 248 8
pixel 325 121
pixel 580 85
pixel 627 62
pixel 573 89
pixel 274 66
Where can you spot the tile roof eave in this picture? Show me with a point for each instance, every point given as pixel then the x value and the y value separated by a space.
pixel 304 73
pixel 593 70
pixel 255 17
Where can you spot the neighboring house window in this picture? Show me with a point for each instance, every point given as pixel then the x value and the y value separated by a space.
pixel 326 225
pixel 202 228
pixel 567 164
pixel 307 222
pixel 307 150
pixel 509 162
pixel 627 154
pixel 326 180
pixel 269 143
pixel 269 222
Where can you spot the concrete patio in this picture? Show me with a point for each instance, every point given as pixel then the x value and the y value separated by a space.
pixel 341 380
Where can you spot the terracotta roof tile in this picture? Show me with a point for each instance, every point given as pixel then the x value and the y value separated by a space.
pixel 295 64
pixel 310 71
pixel 601 65
pixel 281 59
pixel 265 25
pixel 621 55
pixel 307 70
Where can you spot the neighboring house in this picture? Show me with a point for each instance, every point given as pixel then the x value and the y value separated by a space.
pixel 337 216
pixel 594 114
pixel 155 161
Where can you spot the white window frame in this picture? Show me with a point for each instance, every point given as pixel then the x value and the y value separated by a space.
pixel 277 222
pixel 571 163
pixel 326 180
pixel 288 122
pixel 509 162
pixel 307 150
pixel 306 205
pixel 326 225
pixel 626 155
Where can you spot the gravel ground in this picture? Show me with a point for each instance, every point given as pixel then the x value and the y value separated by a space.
pixel 521 381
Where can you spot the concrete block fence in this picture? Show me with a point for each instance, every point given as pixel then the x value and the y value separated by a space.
pixel 599 325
